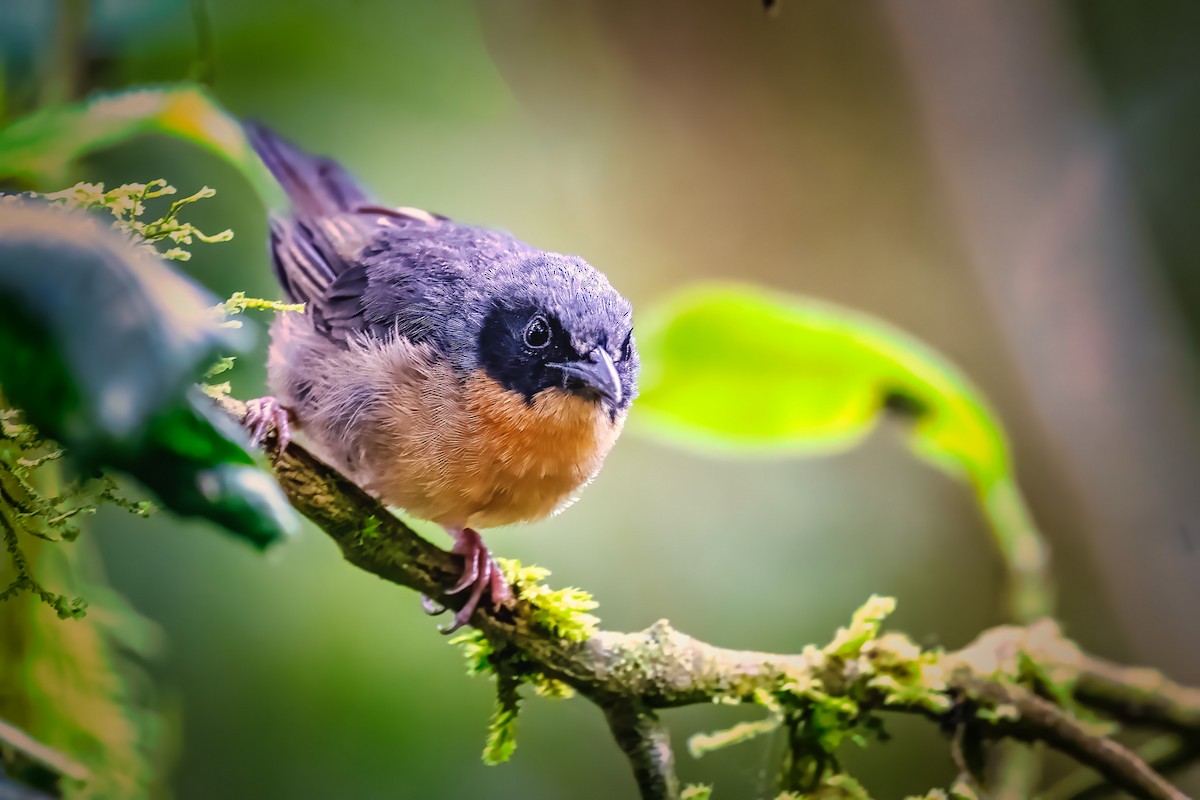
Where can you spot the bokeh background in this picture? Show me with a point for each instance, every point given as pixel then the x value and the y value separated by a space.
pixel 1014 181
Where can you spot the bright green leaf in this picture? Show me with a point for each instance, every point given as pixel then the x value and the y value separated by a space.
pixel 734 369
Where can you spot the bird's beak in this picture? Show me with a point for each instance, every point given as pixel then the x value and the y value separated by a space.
pixel 597 373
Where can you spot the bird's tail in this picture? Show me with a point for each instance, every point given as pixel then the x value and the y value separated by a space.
pixel 317 187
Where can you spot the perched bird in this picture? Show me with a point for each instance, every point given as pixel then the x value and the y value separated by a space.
pixel 453 371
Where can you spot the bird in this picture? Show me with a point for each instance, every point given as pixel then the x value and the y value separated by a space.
pixel 452 371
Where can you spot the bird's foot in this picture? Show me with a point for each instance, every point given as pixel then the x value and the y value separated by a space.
pixel 432 607
pixel 266 416
pixel 480 574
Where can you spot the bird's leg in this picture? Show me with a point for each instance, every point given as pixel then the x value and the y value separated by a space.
pixel 265 416
pixel 480 573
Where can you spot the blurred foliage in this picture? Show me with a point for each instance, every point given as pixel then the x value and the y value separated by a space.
pixel 40 148
pixel 734 369
pixel 116 389
pixel 127 203
pixel 26 513
pixel 79 693
pixel 27 764
pixel 82 689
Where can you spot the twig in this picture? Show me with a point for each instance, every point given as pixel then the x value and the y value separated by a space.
pixel 1164 754
pixel 1138 695
pixel 647 742
pixel 1040 720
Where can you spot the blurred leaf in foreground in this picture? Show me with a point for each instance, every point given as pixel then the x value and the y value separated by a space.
pixel 101 345
pixel 736 369
pixel 39 149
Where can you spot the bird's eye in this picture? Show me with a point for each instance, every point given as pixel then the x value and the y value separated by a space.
pixel 537 333
pixel 627 347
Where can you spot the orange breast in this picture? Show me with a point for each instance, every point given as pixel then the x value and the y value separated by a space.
pixel 474 454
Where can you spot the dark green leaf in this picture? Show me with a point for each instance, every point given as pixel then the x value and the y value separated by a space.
pixel 101 344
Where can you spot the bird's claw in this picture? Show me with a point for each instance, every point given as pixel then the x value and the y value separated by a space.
pixel 266 416
pixel 432 607
pixel 480 574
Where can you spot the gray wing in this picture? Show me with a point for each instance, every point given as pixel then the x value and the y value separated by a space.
pixel 362 268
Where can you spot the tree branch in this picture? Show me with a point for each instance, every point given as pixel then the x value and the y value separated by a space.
pixel 1165 754
pixel 1038 719
pixel 642 736
pixel 629 675
pixel 1138 695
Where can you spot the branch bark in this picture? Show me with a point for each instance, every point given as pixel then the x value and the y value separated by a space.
pixel 647 742
pixel 630 675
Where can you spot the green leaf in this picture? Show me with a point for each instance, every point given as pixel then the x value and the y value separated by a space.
pixel 734 369
pixel 40 148
pixel 101 345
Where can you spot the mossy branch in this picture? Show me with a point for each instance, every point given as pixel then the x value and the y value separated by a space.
pixel 1021 682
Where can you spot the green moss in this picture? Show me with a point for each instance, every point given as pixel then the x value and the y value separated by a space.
pixel 864 626
pixel 477 649
pixel 820 718
pixel 563 612
pixel 704 743
pixel 1037 656
pixel 502 731
pixel 238 303
pixel 33 505
pixel 906 675
pixel 370 529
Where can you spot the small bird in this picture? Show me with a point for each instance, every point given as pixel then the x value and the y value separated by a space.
pixel 450 370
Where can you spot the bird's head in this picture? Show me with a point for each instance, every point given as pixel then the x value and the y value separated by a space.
pixel 553 322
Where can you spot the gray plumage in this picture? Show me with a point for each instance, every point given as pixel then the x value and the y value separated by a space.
pixel 365 270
